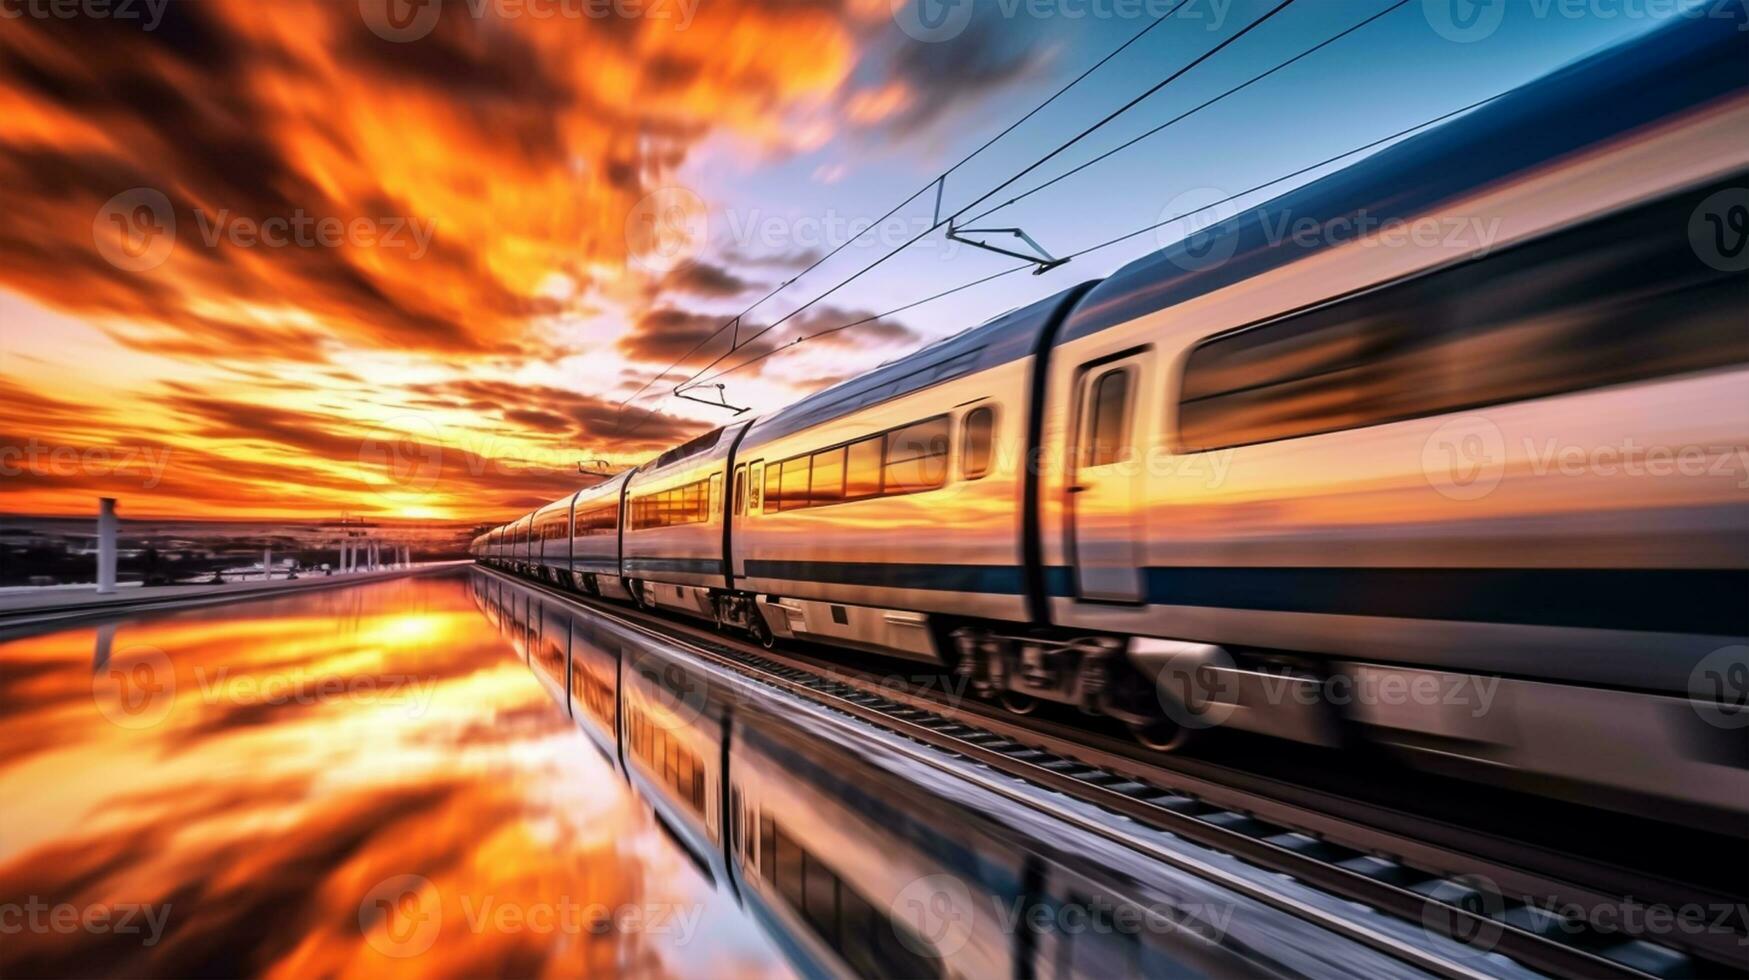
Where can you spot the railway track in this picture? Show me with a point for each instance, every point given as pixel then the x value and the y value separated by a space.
pixel 1492 893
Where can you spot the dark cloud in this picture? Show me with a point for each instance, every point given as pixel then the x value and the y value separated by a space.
pixel 483 158
pixel 704 279
pixel 944 79
pixel 669 335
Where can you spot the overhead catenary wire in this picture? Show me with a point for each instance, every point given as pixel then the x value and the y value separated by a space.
pixel 1121 238
pixel 938 179
pixel 1186 114
pixel 948 221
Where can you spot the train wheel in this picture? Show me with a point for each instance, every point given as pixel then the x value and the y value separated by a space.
pixel 761 631
pixel 1020 704
pixel 1161 735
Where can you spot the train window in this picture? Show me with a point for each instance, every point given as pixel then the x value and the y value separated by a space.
pixel 862 468
pixel 754 496
pixel 794 490
pixel 692 507
pixel 1618 299
pixel 772 496
pixel 1108 418
pixel 826 486
pixel 857 922
pixel 768 848
pixel 977 441
pixel 820 897
pixel 916 457
pixel 697 786
pixel 739 502
pixel 789 869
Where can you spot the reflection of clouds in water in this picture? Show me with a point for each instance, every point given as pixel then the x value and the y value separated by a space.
pixel 263 814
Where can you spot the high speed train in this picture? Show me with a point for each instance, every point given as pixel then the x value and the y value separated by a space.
pixel 856 867
pixel 1445 451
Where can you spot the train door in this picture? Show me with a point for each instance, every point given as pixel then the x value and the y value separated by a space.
pixel 1105 494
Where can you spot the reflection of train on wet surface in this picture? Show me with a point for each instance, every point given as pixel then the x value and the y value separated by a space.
pixel 1479 470
pixel 857 867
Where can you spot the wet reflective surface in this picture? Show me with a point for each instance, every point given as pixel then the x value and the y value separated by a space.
pixel 359 781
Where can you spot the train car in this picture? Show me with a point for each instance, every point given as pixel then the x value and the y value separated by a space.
pixel 522 553
pixel 1465 416
pixel 549 650
pixel 673 540
pixel 596 652
pixel 492 591
pixel 826 853
pixel 1341 455
pixel 873 512
pixel 550 541
pixel 520 623
pixel 672 718
pixel 860 869
pixel 595 537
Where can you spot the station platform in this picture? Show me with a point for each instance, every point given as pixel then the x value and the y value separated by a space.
pixel 55 605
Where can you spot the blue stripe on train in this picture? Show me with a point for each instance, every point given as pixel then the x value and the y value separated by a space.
pixel 993 579
pixel 691 566
pixel 1661 600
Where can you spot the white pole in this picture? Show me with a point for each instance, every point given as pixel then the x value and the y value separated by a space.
pixel 267 564
pixel 105 545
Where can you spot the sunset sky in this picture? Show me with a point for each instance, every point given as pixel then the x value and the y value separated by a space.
pixel 498 219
